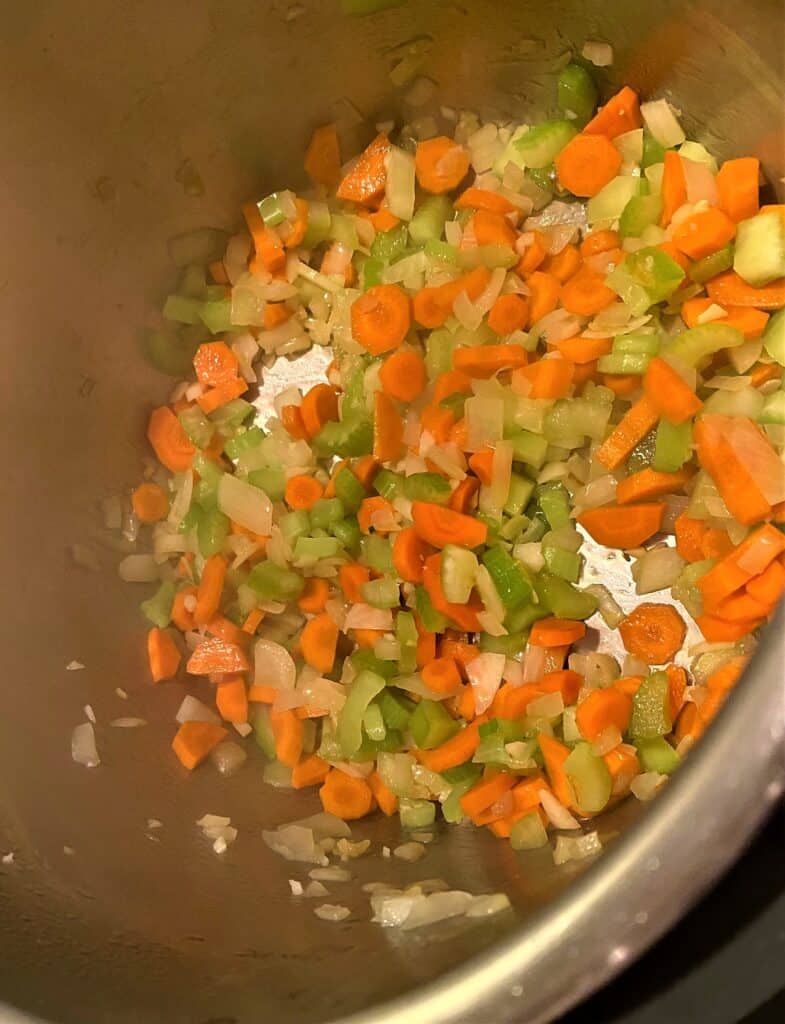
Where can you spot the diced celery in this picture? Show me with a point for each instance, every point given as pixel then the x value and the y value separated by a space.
pixel 633 363
pixel 365 660
pixel 636 344
pixel 232 415
pixel 327 511
pixel 427 224
pixel 528 448
pixel 707 268
pixel 406 635
pixel 610 202
pixel 650 716
pixel 562 599
pixel 349 489
pixel 510 578
pixel 310 550
pixel 377 553
pixel 319 219
pixel 427 487
pixel 197 427
pixel 589 777
pixel 638 214
pixel 657 755
pixel 347 531
pixel 452 811
pixel 271 481
pixel 697 343
pixel 381 593
pixel 521 490
pixel 362 691
pixel 521 619
pixel 540 145
pixel 431 724
pixel 747 402
pixel 512 528
pixel 672 446
pixel 343 231
pixel 760 248
pixel 373 723
pixel 294 525
pixel 554 502
pixel 273 208
pixel 570 418
pixel 653 151
pixel 528 833
pixel 370 749
pixel 438 352
pixel 510 645
pixel 416 813
pixel 212 531
pixel 348 438
pixel 646 277
pixel 272 583
pixel 182 309
pixel 577 93
pixel 216 315
pixel 566 565
pixel 243 441
pixel 441 251
pixel 773 410
pixel 370 271
pixel 395 708
pixel 774 337
pixel 390 485
pixel 158 608
pixel 263 730
pixel 390 245
pixel 432 620
pixel 458 572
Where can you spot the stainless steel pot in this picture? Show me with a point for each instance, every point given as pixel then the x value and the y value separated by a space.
pixel 104 919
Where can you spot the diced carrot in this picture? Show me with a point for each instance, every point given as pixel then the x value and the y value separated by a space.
pixel 481 463
pixel 441 675
pixel 729 289
pixel 374 514
pixel 441 164
pixel 768 586
pixel 601 709
pixel 367 638
pixel 623 526
pixel 163 655
pixel 492 229
pixel 600 241
pixel 318 642
pixel 403 375
pixel 667 393
pixel 554 632
pixel 193 742
pixel 764 372
pixel 751 322
pixel 486 360
pixel 509 313
pixel 287 731
pixel 689 537
pixel 583 351
pixel 302 491
pixel 226 630
pixel 258 694
pixel 461 498
pixel 718 442
pixel 703 233
pixel 463 615
pixel 649 483
pixel 534 255
pixel 387 429
pixel 623 764
pixel 716 630
pixel 231 699
pixel 217 657
pixel 365 181
pixel 365 470
pixel 351 579
pixel 548 378
pixel 737 184
pixel 310 771
pixel 544 291
pixel 425 651
pixel 483 199
pixel 674 186
pixel 409 553
pixel 169 441
pixel 293 424
pixel 587 163
pixel 381 318
pixel 753 556
pixel 181 617
pixel 563 265
pixel 211 584
pixel 653 632
pixel 314 596
pixel 555 754
pixel 622 384
pixel 586 293
pixel 441 526
pixel 619 115
pixel 385 798
pixel 485 793
pixel 677 685
pixel 634 426
pixel 221 395
pixel 318 407
pixel 215 364
pixel 150 503
pixel 323 157
pixel 345 796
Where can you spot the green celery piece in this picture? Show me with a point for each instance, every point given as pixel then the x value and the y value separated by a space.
pixel 319 221
pixel 432 620
pixel 636 344
pixel 632 363
pixel 212 531
pixel 310 550
pixel 573 419
pixel 406 635
pixel 510 645
pixel 521 619
pixel 528 833
pixel 458 573
pixel 519 495
pixel 494 526
pixel 349 489
pixel 416 813
pixel 370 749
pixel 271 208
pixel 672 446
pixel 347 531
pixel 232 415
pixel 197 427
pixel 641 455
pixel 388 484
pixel 343 231
pixel 191 519
pixel 510 578
pixel 544 178
pixel 773 410
pixel 697 343
pixel 657 755
pixel 355 403
pixel 554 502
pixel 271 481
pixel 364 660
pixel 348 438
pixel 466 772
pixel 431 725
pixel 774 337
pixel 704 270
pixel 182 309
pixel 441 251
pixel 639 213
pixel 427 487
pixel 388 246
pixel 759 256
pixel 562 599
pixel 371 272
pixel 653 151
pixel 170 352
pixel 362 691
pixel 513 527
pixel 427 224
pixel 263 730
pixel 528 448
pixel 243 442
pixel 377 553
pixel 216 315
pixel 206 490
pixel 540 145
pixel 644 278
pixel 294 525
pixel 158 608
pixel 273 583
pixel 395 708
pixel 373 723
pixel 589 777
pixel 536 529
pixel 381 593
pixel 576 92
pixel 327 511
pixel 452 812
pixel 566 565
pixel 438 352
pixel 650 708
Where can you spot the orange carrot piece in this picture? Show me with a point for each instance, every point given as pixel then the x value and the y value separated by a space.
pixel 481 463
pixel 635 424
pixel 729 289
pixel 163 655
pixel 365 470
pixel 441 526
pixel 483 199
pixel 763 372
pixel 150 503
pixel 509 313
pixel 387 429
pixel 181 617
pixel 720 458
pixel 737 184
pixel 225 629
pixel 310 771
pixel 432 306
pixel 600 241
pixel 425 651
pixel 319 406
pixel 622 384
pixel 409 553
pixel 365 181
pixel 753 556
pixel 554 632
pixel 381 318
pixel 287 731
pixel 346 797
pixel 302 491
pixel 292 420
pixel 318 642
pixel 623 764
pixel 587 163
pixel 565 263
pixel 384 797
pixel 441 675
pixel 534 255
pixel 668 395
pixel 601 709
pixel 549 378
pixel 583 351
pixel 456 750
pixel 623 526
pixel 492 229
pixel 314 596
pixel 703 233
pixel 653 632
pixel 586 293
pixel 486 360
pixel 689 537
pixel 554 755
pixel 674 186
pixel 544 292
pixel 258 694
pixel 193 742
pixel 463 615
pixel 367 639
pixel 373 514
pixel 718 631
pixel 485 793
pixel 716 543
pixel 214 656
pixel 221 395
pixel 169 441
pixel 351 579
pixel 740 607
pixel 769 585
pixel 211 584
pixel 403 375
pixel 461 498
pixel 323 157
pixel 215 364
pixel 231 699
pixel 648 484
pixel 441 164
pixel 622 113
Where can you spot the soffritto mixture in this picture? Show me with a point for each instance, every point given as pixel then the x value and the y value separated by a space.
pixel 539 332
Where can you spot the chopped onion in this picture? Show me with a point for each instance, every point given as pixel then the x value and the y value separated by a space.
pixel 608 740
pixel 484 421
pixel 630 146
pixel 596 668
pixel 138 569
pixel 557 813
pixel 645 786
pixel 333 873
pixel 127 723
pixel 244 504
pixel 576 848
pixel 598 54
pixel 657 569
pixel 410 852
pixel 550 705
pixel 363 616
pixel 608 608
pixel 273 665
pixel 228 757
pixel 701 184
pixel 192 710
pixel 400 181
pixel 533 663
pixel 601 491
pixel 332 912
pixel 743 357
pixel 83 748
pixel 277 775
pixel 662 123
pixel 530 555
pixel 295 842
pixel 485 906
pixel 634 666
